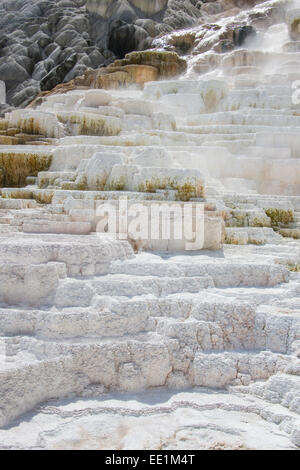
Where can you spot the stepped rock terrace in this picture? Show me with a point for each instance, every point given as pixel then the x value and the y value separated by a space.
pixel 106 336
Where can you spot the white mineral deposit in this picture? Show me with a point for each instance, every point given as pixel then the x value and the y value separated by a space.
pixel 110 339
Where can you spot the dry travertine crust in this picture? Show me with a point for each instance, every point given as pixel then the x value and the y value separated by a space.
pixel 104 343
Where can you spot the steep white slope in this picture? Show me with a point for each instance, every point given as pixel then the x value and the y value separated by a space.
pixel 96 321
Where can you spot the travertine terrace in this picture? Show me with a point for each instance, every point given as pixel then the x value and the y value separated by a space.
pixel 120 343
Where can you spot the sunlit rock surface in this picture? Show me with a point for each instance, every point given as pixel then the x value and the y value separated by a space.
pixel 135 342
pixel 105 7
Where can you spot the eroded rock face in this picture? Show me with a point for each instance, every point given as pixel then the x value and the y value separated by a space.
pixel 124 38
pixel 104 7
pixel 58 73
pixel 150 7
pixel 50 43
pixel 38 39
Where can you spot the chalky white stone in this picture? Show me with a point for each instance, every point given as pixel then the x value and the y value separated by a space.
pixel 125 344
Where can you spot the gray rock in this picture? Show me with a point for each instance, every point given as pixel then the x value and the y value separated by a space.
pixel 27 93
pixel 10 70
pixel 79 22
pixel 25 62
pixel 113 9
pixel 84 60
pixel 58 74
pixel 123 11
pixel 19 50
pixel 42 68
pixel 52 48
pixel 124 38
pixel 3 41
pixel 34 52
pixel 79 45
pixel 41 39
pixel 2 92
pixel 65 54
pixel 96 58
pixel 150 7
pixel 152 27
pixel 66 37
pixel 78 70
pixel 31 29
pixel 58 54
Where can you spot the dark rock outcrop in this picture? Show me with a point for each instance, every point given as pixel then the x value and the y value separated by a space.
pixel 58 73
pixel 124 38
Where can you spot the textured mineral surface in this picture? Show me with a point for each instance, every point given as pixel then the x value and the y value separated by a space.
pixel 119 339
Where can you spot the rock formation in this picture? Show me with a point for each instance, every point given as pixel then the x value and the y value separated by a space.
pixel 46 43
pixel 110 329
pixel 106 8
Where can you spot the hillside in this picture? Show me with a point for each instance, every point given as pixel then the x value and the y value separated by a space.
pixel 150 227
